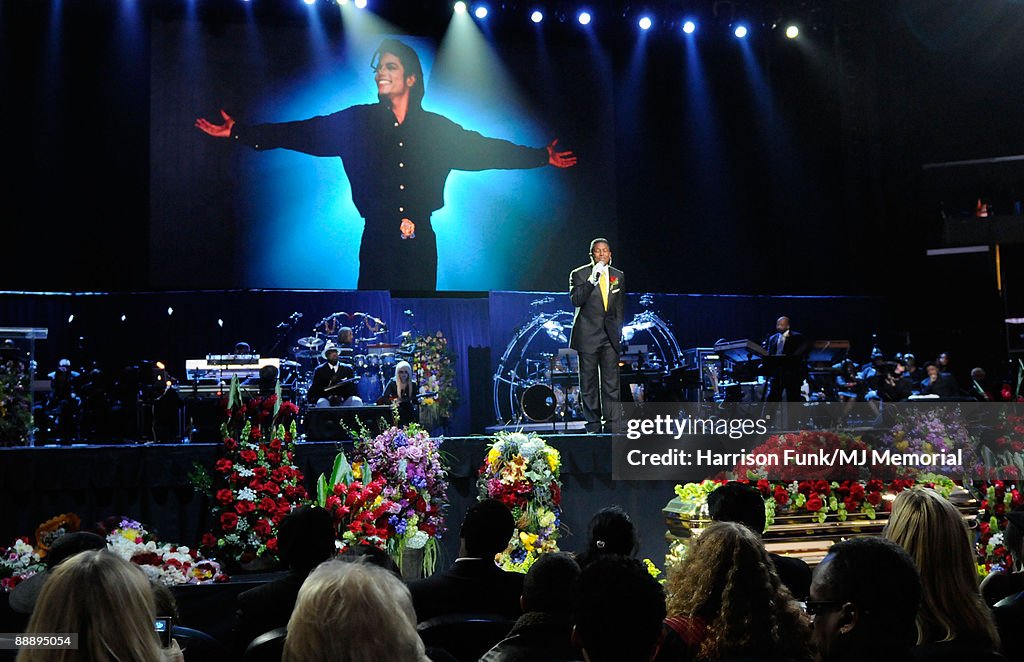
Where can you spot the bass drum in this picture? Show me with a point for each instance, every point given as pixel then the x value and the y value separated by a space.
pixel 538 403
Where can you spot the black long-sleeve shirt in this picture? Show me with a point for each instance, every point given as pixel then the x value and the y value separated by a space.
pixel 396 169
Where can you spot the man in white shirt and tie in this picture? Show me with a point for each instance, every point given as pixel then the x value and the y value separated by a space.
pixel 598 292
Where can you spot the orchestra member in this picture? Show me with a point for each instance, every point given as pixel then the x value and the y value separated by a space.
pixel 404 391
pixel 938 383
pixel 788 372
pixel 333 382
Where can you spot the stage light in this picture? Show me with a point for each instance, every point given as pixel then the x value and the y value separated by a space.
pixel 170 311
pixel 342 2
pixel 537 16
pixel 689 27
pixel 460 7
pixel 123 317
pixel 71 318
pixel 481 11
pixel 740 31
pixel 360 4
pixel 309 2
pixel 792 32
pixel 645 22
pixel 584 18
pixel 220 323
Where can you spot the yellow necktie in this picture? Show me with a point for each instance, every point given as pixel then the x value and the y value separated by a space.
pixel 604 288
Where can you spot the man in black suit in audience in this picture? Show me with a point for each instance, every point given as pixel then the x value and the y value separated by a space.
pixel 864 601
pixel 737 502
pixel 598 291
pixel 544 631
pixel 305 539
pixel 474 584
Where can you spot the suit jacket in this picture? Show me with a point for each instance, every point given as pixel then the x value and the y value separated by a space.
pixel 266 607
pixel 323 377
pixel 796 348
pixel 469 586
pixel 591 323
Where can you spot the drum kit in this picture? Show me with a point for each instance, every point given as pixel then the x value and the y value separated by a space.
pixel 538 378
pixel 372 359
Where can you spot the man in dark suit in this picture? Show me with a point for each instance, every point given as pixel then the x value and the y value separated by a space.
pixel 788 370
pixel 474 584
pixel 737 502
pixel 598 291
pixel 305 539
pixel 938 383
pixel 329 387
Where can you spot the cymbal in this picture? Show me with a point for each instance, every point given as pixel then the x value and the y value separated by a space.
pixel 310 341
pixel 383 344
pixel 307 354
pixel 290 364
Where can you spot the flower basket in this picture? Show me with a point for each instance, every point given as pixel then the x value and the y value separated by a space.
pixel 255 483
pixel 413 492
pixel 433 365
pixel 522 471
pixel 164 562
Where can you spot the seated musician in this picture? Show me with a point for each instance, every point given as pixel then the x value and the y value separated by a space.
pixel 334 382
pixel 404 391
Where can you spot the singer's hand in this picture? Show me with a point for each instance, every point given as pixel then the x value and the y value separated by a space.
pixel 595 273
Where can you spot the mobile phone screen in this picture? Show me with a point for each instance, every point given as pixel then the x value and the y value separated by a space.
pixel 163 630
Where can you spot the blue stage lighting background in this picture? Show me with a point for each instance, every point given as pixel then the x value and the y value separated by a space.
pixel 235 217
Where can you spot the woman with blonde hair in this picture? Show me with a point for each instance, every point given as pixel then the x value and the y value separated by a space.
pixel 106 600
pixel 353 611
pixel 403 391
pixel 952 619
pixel 725 600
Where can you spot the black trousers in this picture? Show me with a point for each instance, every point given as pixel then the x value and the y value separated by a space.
pixel 599 386
pixel 388 262
pixel 785 387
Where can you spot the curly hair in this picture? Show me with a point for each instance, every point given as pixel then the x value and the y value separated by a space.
pixel 728 580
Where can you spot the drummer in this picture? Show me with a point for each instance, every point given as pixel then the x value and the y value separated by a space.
pixel 346 344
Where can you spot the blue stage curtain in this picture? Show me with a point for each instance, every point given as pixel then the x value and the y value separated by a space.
pixel 464 323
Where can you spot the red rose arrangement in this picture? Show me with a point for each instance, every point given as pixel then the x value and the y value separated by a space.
pixel 254 483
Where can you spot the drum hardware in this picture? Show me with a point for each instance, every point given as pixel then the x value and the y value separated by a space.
pixel 538 403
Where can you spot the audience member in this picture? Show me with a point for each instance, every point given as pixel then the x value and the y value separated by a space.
pixel 618 609
pixel 353 611
pixel 544 631
pixel 371 554
pixel 953 621
pixel 611 531
pixel 474 584
pixel 725 601
pixel 863 602
pixel 108 602
pixel 739 502
pixel 23 597
pixel 306 538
